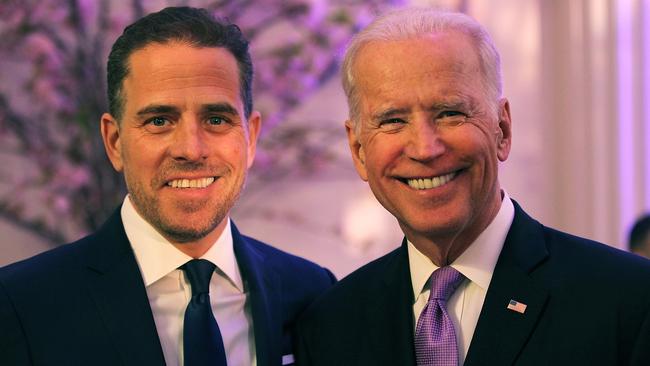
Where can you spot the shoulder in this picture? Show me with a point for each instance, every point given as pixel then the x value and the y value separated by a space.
pixel 374 272
pixel 360 286
pixel 44 266
pixel 51 277
pixel 334 325
pixel 286 263
pixel 577 255
pixel 593 289
pixel 588 259
pixel 65 260
pixel 574 265
pixel 293 281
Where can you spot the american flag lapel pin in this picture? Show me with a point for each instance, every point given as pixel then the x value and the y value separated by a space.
pixel 517 306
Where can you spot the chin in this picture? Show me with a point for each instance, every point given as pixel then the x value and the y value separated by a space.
pixel 186 236
pixel 183 233
pixel 440 225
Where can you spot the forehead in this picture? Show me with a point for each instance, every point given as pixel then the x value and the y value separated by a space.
pixel 438 63
pixel 174 70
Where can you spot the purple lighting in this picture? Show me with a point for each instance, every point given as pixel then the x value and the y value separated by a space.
pixel 625 70
pixel 645 21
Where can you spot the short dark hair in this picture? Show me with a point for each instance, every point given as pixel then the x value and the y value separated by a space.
pixel 640 232
pixel 185 24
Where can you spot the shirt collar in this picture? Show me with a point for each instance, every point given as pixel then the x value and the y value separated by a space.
pixel 477 262
pixel 157 257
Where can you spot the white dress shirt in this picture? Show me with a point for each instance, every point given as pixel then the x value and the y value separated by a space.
pixel 476 264
pixel 169 290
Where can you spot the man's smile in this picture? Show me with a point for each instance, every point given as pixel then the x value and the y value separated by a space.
pixel 191 183
pixel 429 182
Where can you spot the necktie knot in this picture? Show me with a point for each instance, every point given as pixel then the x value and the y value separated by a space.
pixel 444 282
pixel 199 272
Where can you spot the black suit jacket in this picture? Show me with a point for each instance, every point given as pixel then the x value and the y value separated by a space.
pixel 85 303
pixel 587 304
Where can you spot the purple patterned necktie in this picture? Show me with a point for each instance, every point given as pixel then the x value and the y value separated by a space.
pixel 435 338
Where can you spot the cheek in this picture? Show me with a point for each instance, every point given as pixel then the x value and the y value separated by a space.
pixel 126 157
pixel 236 152
pixel 373 160
pixel 142 157
pixel 478 141
pixel 381 152
pixel 481 151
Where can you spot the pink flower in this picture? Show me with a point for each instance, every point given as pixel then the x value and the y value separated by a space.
pixel 61 204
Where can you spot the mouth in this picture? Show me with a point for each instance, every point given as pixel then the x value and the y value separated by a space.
pixel 429 182
pixel 191 183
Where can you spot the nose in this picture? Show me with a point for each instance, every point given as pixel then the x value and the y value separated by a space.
pixel 425 142
pixel 188 141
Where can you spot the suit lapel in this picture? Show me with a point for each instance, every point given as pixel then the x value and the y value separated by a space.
pixel 117 288
pixel 389 318
pixel 264 291
pixel 501 333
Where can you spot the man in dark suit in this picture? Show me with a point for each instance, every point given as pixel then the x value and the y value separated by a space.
pixel 146 288
pixel 476 280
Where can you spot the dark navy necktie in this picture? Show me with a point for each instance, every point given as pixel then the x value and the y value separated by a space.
pixel 435 338
pixel 202 342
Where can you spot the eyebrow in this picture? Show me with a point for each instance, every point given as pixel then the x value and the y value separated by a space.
pixel 460 101
pixel 391 112
pixel 449 105
pixel 205 109
pixel 219 108
pixel 157 109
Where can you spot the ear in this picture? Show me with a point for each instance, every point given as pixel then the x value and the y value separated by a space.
pixel 358 153
pixel 254 128
pixel 504 130
pixel 110 130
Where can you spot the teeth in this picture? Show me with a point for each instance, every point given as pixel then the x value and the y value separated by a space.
pixel 427 183
pixel 191 183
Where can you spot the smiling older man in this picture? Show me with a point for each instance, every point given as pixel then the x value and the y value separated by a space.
pixel 476 281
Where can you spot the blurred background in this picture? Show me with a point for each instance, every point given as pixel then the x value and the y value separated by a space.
pixel 576 72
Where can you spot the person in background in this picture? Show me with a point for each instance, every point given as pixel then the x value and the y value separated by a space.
pixel 639 238
pixel 476 281
pixel 168 279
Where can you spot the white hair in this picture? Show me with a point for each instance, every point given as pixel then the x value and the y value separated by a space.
pixel 414 22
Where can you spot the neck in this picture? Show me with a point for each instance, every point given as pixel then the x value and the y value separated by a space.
pixel 441 251
pixel 444 247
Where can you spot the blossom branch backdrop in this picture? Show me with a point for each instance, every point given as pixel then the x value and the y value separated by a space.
pixel 56 181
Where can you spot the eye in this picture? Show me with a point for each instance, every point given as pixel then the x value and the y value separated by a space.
pixel 391 124
pixel 391 121
pixel 157 121
pixel 451 118
pixel 450 114
pixel 216 121
pixel 158 124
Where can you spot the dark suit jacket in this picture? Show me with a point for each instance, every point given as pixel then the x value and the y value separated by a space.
pixel 85 303
pixel 588 304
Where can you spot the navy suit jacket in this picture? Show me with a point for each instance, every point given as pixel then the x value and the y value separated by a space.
pixel 85 303
pixel 587 304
